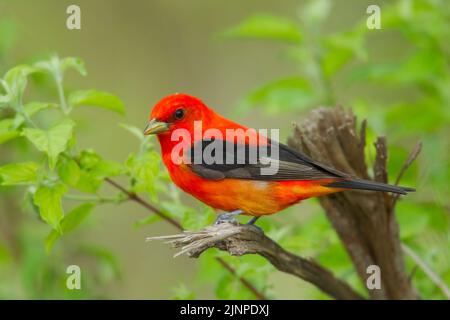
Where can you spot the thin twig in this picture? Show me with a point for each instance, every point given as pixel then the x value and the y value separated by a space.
pixel 412 156
pixel 417 259
pixel 134 197
pixel 425 268
pixel 142 202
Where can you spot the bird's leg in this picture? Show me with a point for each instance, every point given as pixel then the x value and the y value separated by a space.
pixel 251 223
pixel 252 220
pixel 228 217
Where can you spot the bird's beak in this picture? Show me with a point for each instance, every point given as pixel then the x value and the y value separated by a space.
pixel 155 127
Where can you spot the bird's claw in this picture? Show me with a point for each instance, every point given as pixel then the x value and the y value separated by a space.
pixel 228 217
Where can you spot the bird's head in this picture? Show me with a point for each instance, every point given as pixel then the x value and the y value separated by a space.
pixel 176 111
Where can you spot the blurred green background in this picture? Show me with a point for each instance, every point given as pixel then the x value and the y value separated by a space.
pixel 263 63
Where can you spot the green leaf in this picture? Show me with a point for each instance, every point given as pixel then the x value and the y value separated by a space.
pixel 107 168
pixel 34 107
pixel 48 200
pixel 18 173
pixel 69 172
pixel 4 98
pixel 287 94
pixel 72 220
pixel 230 287
pixel 420 67
pixel 150 219
pixel 17 76
pixel 8 130
pixel 88 159
pixel 53 141
pixel 31 109
pixel 56 66
pixel 193 219
pixel 97 99
pixel 14 84
pixel 419 121
pixel 315 12
pixel 144 169
pixel 73 63
pixel 264 26
pixel 88 183
pixel 341 49
pixel 94 170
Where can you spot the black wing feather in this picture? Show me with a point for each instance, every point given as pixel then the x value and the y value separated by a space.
pixel 292 165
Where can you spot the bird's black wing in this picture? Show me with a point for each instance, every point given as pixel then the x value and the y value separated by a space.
pixel 241 161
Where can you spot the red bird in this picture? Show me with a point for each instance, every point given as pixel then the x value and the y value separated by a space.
pixel 239 186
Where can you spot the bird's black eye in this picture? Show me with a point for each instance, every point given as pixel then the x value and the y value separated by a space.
pixel 179 114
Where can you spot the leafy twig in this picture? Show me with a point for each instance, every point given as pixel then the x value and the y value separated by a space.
pixel 142 202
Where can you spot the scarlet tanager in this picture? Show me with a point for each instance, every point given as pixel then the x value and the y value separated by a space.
pixel 233 181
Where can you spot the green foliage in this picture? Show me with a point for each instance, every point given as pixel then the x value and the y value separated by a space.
pixel 8 131
pixel 14 83
pixel 57 67
pixel 18 173
pixel 53 141
pixel 69 172
pixel 48 200
pixel 68 223
pixel 264 26
pixel 52 180
pixel 97 99
pixel 327 68
pixel 411 102
pixel 286 94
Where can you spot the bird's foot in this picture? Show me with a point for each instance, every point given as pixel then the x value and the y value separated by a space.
pixel 228 217
pixel 251 223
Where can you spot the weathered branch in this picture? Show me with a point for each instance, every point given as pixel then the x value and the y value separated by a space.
pixel 239 240
pixel 365 221
pixel 258 294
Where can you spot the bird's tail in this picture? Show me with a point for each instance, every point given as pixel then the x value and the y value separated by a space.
pixel 369 185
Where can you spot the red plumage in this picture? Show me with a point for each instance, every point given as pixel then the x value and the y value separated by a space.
pixel 255 197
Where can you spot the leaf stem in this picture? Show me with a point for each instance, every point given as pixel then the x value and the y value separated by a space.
pixel 28 119
pixel 62 98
